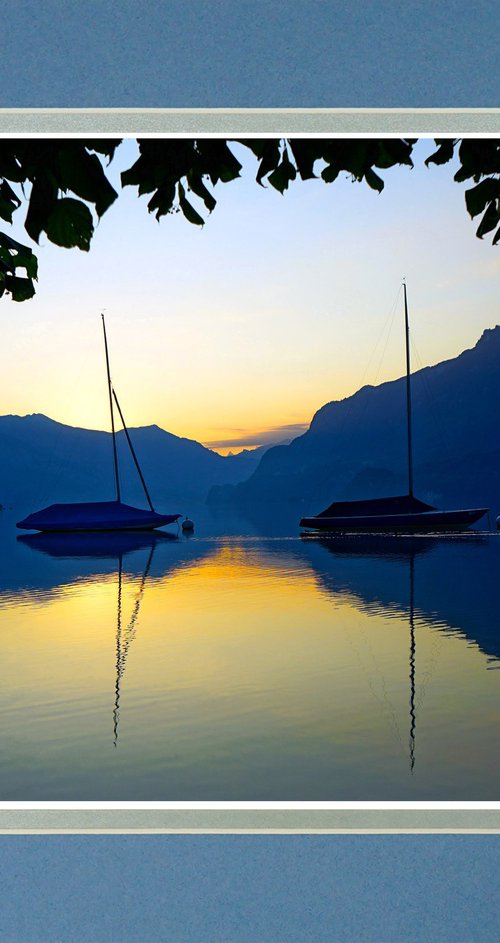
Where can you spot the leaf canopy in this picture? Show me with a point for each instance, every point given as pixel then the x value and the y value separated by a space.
pixel 63 183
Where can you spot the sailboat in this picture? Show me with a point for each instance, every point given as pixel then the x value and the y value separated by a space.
pixel 101 515
pixel 400 514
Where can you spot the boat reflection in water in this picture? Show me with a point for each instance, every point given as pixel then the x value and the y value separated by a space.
pixel 406 548
pixel 395 589
pixel 250 668
pixel 109 546
pixel 125 636
pixel 94 545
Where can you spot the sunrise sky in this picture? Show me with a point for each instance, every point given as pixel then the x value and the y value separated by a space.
pixel 235 334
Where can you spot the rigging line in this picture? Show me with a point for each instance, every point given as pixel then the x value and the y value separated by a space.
pixel 386 331
pixel 387 327
pixel 377 374
pixel 347 413
pixel 131 447
pixel 115 456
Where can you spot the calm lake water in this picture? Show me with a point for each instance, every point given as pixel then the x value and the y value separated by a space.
pixel 239 664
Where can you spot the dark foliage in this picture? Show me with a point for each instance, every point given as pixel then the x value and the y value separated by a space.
pixel 64 186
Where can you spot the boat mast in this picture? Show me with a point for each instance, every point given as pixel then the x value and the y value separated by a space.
pixel 408 397
pixel 115 456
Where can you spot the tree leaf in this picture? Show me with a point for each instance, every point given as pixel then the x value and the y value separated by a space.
pixel 189 211
pixel 11 243
pixel 283 175
pixel 444 153
pixel 41 204
pixel 9 201
pixel 218 160
pixel 162 200
pixel 6 262
pixel 305 156
pixel 269 160
pixel 198 187
pixel 477 198
pixel 70 224
pixel 105 146
pixel 28 261
pixel 479 157
pixel 329 174
pixel 10 165
pixel 374 181
pixel 18 256
pixel 83 174
pixel 490 219
pixel 21 289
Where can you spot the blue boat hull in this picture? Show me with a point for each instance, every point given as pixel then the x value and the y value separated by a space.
pixel 94 516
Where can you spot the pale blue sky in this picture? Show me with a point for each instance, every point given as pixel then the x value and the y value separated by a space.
pixel 278 305
pixel 264 53
pixel 250 889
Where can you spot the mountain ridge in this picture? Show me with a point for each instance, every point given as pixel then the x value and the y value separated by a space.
pixel 57 462
pixel 357 447
pixel 354 448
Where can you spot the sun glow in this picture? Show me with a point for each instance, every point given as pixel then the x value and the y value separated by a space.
pixel 240 332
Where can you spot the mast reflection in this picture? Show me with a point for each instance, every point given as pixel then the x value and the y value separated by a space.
pixel 387 584
pixel 413 651
pixel 124 641
pixel 106 546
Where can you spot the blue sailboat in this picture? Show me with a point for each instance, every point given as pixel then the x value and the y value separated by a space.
pixel 101 516
pixel 402 513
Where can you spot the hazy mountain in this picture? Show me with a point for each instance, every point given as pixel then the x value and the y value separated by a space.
pixel 357 447
pixel 43 461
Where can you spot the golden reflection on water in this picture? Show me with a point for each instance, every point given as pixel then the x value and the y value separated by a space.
pixel 236 674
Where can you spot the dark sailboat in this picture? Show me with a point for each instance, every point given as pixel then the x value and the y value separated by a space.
pixel 400 514
pixel 101 515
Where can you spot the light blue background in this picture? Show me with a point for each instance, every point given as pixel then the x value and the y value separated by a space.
pixel 264 53
pixel 250 889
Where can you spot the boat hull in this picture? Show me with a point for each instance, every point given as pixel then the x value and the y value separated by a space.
pixel 420 522
pixel 94 517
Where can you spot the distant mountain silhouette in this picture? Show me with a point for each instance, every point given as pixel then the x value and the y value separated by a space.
pixel 43 461
pixel 356 447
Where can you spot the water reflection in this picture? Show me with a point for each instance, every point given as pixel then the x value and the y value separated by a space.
pixel 403 550
pixel 413 650
pixel 62 560
pixel 125 639
pixel 456 575
pixel 251 668
pixel 94 545
pixel 90 549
